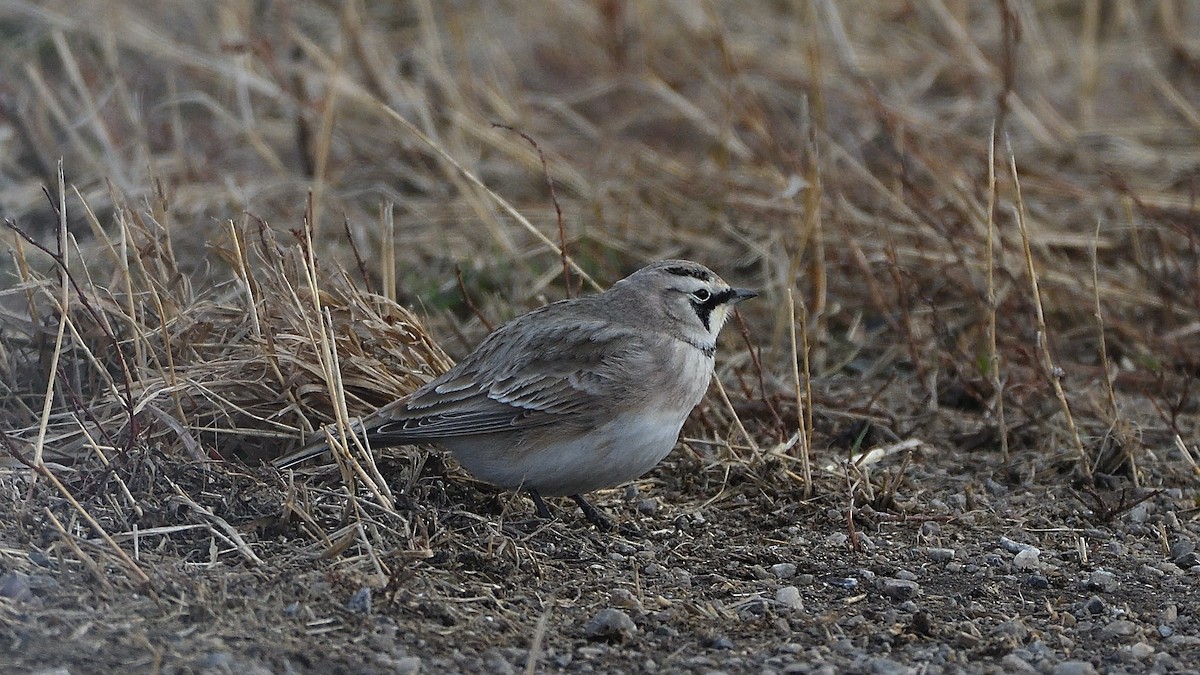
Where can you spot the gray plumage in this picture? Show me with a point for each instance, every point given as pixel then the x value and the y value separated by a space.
pixel 575 396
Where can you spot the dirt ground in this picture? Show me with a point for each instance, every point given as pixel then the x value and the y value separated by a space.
pixel 978 566
pixel 957 432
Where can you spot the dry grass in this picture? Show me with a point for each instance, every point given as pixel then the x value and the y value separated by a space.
pixel 974 227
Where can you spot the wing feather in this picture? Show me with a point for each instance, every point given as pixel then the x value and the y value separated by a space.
pixel 519 379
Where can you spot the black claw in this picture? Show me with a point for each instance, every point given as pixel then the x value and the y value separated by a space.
pixel 542 511
pixel 593 516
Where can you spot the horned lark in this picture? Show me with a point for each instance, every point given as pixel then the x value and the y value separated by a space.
pixel 578 395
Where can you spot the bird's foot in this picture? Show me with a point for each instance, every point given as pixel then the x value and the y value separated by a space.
pixel 542 510
pixel 592 514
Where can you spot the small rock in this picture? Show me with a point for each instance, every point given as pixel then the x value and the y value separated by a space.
pixel 1015 664
pixel 1038 581
pixel 789 597
pixel 647 507
pixel 1165 631
pixel 805 579
pixel 621 597
pixel 1151 572
pixel 1167 567
pixel 1183 553
pixel 360 602
pixel 940 554
pixel 1169 614
pixel 15 586
pixel 906 575
pixel 1074 668
pixel 836 540
pixel 885 666
pixel 1139 513
pixel 900 589
pixel 721 642
pixel 1118 628
pixel 1095 606
pixel 1013 628
pixel 682 577
pixel 1103 581
pixel 783 570
pixel 1140 650
pixel 610 624
pixel 921 624
pixel 1013 546
pixel 930 528
pixel 494 662
pixel 1027 559
pixel 844 583
pixel 653 570
pixel 406 665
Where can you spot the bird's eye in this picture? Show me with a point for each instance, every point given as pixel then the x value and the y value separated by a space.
pixel 701 294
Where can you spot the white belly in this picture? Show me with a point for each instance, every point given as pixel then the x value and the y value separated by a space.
pixel 612 454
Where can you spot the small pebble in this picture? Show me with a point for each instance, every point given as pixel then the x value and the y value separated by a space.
pixel 721 642
pixel 621 597
pixel 1171 568
pixel 1169 614
pixel 940 554
pixel 610 624
pixel 1139 513
pixel 1027 559
pixel 1074 668
pixel 407 665
pixel 844 583
pixel 1095 606
pixel 1181 549
pixel 783 570
pixel 921 624
pixel 1013 546
pixel 789 597
pixel 1140 650
pixel 900 589
pixel 1118 628
pixel 1038 581
pixel 885 666
pixel 836 540
pixel 1103 581
pixel 495 663
pixel 15 586
pixel 1012 663
pixel 360 602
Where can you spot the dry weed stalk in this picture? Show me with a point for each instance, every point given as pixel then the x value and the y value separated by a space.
pixel 238 370
pixel 1050 371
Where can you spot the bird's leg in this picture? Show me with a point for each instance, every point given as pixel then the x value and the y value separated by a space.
pixel 542 511
pixel 593 516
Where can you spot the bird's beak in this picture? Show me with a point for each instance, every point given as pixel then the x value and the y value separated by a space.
pixel 740 294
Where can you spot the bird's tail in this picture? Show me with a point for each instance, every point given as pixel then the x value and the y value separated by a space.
pixel 318 445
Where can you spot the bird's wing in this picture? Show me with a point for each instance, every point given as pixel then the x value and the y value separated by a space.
pixel 520 378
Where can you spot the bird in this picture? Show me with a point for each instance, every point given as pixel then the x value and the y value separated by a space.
pixel 575 396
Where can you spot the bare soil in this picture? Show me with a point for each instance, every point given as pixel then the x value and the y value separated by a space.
pixel 958 430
